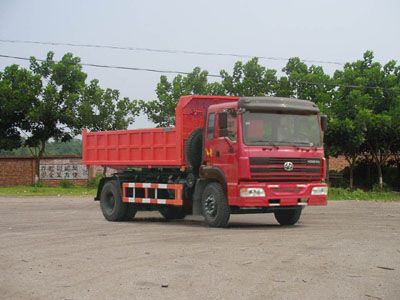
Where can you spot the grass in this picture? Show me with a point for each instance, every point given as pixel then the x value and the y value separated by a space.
pixel 24 190
pixel 357 194
pixel 334 193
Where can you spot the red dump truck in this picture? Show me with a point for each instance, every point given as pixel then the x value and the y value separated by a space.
pixel 225 155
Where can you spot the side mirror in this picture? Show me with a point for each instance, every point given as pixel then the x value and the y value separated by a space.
pixel 223 124
pixel 324 122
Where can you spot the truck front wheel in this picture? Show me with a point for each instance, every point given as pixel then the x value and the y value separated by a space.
pixel 111 203
pixel 288 216
pixel 214 205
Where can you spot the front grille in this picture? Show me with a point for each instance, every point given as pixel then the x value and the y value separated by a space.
pixel 264 170
pixel 272 169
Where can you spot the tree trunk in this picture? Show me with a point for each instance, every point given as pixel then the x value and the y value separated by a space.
pixel 351 168
pixel 398 169
pixel 37 169
pixel 380 176
pixel 369 174
pixel 398 172
pixel 38 158
pixel 351 160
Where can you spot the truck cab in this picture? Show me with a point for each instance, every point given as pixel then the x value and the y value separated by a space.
pixel 267 154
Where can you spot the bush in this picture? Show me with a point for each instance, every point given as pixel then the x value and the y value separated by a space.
pixel 385 188
pixel 38 184
pixel 358 194
pixel 94 182
pixel 66 184
pixel 364 172
pixel 391 177
pixel 366 176
pixel 336 179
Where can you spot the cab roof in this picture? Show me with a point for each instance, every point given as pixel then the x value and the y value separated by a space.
pixel 277 104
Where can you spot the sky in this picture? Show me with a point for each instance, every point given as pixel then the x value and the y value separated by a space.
pixel 318 30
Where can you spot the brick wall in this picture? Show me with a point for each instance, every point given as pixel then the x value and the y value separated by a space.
pixel 54 169
pixel 17 171
pixel 337 163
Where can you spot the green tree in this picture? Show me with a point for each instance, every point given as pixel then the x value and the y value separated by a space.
pixel 51 102
pixel 54 113
pixel 373 91
pixel 345 137
pixel 395 146
pixel 103 109
pixel 19 90
pixel 346 133
pixel 162 110
pixel 72 147
pixel 393 77
pixel 303 82
pixel 249 79
pixel 283 87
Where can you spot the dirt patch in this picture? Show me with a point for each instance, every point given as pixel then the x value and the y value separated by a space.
pixel 62 248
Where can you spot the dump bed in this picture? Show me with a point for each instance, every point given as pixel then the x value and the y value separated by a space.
pixel 140 147
pixel 151 148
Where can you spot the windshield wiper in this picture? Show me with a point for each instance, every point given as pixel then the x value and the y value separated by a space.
pixel 263 142
pixel 282 143
pixel 304 143
pixel 293 143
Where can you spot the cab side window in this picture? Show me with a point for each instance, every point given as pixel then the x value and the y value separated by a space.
pixel 228 125
pixel 232 127
pixel 210 126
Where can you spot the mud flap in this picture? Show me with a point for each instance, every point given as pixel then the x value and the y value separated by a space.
pixel 198 193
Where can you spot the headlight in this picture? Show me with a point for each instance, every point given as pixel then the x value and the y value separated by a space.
pixel 319 190
pixel 252 192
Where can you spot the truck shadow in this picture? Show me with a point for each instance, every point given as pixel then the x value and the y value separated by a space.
pixel 234 225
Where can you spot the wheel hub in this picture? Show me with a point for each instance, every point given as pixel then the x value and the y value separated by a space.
pixel 110 201
pixel 210 205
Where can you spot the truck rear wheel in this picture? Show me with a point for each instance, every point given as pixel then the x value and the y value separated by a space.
pixel 130 212
pixel 214 205
pixel 172 213
pixel 194 148
pixel 288 216
pixel 111 203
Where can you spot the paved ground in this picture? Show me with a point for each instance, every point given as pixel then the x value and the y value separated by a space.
pixel 62 248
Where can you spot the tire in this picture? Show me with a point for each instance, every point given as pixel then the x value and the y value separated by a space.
pixel 111 203
pixel 172 213
pixel 288 216
pixel 194 149
pixel 130 212
pixel 214 205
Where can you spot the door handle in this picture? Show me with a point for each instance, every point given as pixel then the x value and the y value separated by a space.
pixel 217 153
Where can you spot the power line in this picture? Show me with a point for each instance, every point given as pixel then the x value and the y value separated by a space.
pixel 118 67
pixel 187 73
pixel 169 51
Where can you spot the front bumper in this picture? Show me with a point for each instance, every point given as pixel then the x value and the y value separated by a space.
pixel 279 194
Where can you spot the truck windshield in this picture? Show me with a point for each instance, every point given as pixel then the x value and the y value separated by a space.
pixel 281 129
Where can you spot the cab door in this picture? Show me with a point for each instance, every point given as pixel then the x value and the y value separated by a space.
pixel 225 146
pixel 209 139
